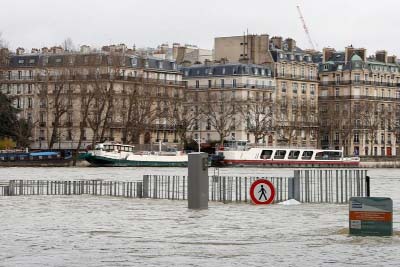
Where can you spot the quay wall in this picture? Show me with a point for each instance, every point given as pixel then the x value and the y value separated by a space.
pixel 380 162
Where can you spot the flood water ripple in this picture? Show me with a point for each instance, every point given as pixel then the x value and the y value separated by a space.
pixel 108 231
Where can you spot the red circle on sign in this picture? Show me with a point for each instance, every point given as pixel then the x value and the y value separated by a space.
pixel 267 183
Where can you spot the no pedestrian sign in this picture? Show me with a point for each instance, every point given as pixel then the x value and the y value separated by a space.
pixel 262 192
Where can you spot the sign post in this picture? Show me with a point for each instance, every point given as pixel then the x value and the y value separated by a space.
pixel 262 192
pixel 371 216
pixel 198 181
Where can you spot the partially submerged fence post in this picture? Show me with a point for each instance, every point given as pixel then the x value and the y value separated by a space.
pixel 198 181
pixel 145 190
pixel 139 190
pixel 294 186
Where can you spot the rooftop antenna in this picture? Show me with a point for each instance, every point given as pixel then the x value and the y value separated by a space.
pixel 306 29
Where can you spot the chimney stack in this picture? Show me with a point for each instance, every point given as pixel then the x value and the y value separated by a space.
pixel 20 51
pixel 381 56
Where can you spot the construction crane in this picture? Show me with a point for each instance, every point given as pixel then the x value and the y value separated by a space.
pixel 305 28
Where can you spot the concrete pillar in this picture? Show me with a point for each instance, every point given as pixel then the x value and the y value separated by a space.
pixel 294 186
pixel 139 190
pixel 145 190
pixel 198 181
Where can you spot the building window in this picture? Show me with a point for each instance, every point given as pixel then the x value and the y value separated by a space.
pixel 234 83
pixel 209 83
pixel 337 92
pixel 356 138
pixel 312 89
pixel 19 75
pixel 337 79
pixel 294 88
pixel 303 88
pixel 283 84
pixel 222 83
pixel 29 102
pixel 29 88
pixel 357 78
pixel 197 84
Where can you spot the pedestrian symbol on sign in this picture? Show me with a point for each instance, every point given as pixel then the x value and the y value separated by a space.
pixel 262 192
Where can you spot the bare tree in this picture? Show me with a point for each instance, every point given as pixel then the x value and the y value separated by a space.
pixel 258 114
pixel 288 121
pixel 3 42
pixel 68 45
pixel 139 113
pixel 86 97
pixel 182 117
pixel 100 109
pixel 220 111
pixel 58 104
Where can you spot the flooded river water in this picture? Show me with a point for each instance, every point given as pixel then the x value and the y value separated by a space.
pixel 106 231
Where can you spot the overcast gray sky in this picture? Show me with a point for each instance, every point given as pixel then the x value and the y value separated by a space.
pixel 337 23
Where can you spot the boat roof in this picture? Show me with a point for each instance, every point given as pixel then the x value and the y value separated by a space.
pixel 44 153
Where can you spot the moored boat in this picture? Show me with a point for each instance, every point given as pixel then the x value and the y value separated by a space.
pixel 120 155
pixel 19 158
pixel 238 153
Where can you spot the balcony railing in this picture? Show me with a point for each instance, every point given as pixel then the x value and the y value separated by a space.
pixel 297 77
pixel 361 97
pixel 89 77
pixel 233 86
pixel 361 82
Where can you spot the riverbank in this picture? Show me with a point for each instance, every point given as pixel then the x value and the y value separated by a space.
pixel 380 162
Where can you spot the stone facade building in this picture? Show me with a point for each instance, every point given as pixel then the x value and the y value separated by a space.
pixel 231 101
pixel 296 74
pixel 359 102
pixel 73 99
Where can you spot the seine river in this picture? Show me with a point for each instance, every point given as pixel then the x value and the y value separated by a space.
pixel 108 231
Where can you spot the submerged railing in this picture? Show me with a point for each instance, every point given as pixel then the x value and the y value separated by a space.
pixel 308 186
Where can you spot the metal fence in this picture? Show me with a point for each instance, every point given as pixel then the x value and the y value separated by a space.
pixel 308 186
pixel 330 186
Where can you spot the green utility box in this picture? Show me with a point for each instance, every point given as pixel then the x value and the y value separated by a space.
pixel 371 216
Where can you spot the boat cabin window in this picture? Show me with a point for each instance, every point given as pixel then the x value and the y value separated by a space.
pixel 328 155
pixel 280 154
pixel 294 154
pixel 266 154
pixel 307 155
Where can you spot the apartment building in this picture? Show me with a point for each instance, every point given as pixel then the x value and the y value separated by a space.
pixel 359 102
pixel 230 101
pixel 73 99
pixel 296 74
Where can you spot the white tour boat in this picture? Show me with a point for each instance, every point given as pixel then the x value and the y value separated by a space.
pixel 238 153
pixel 119 155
